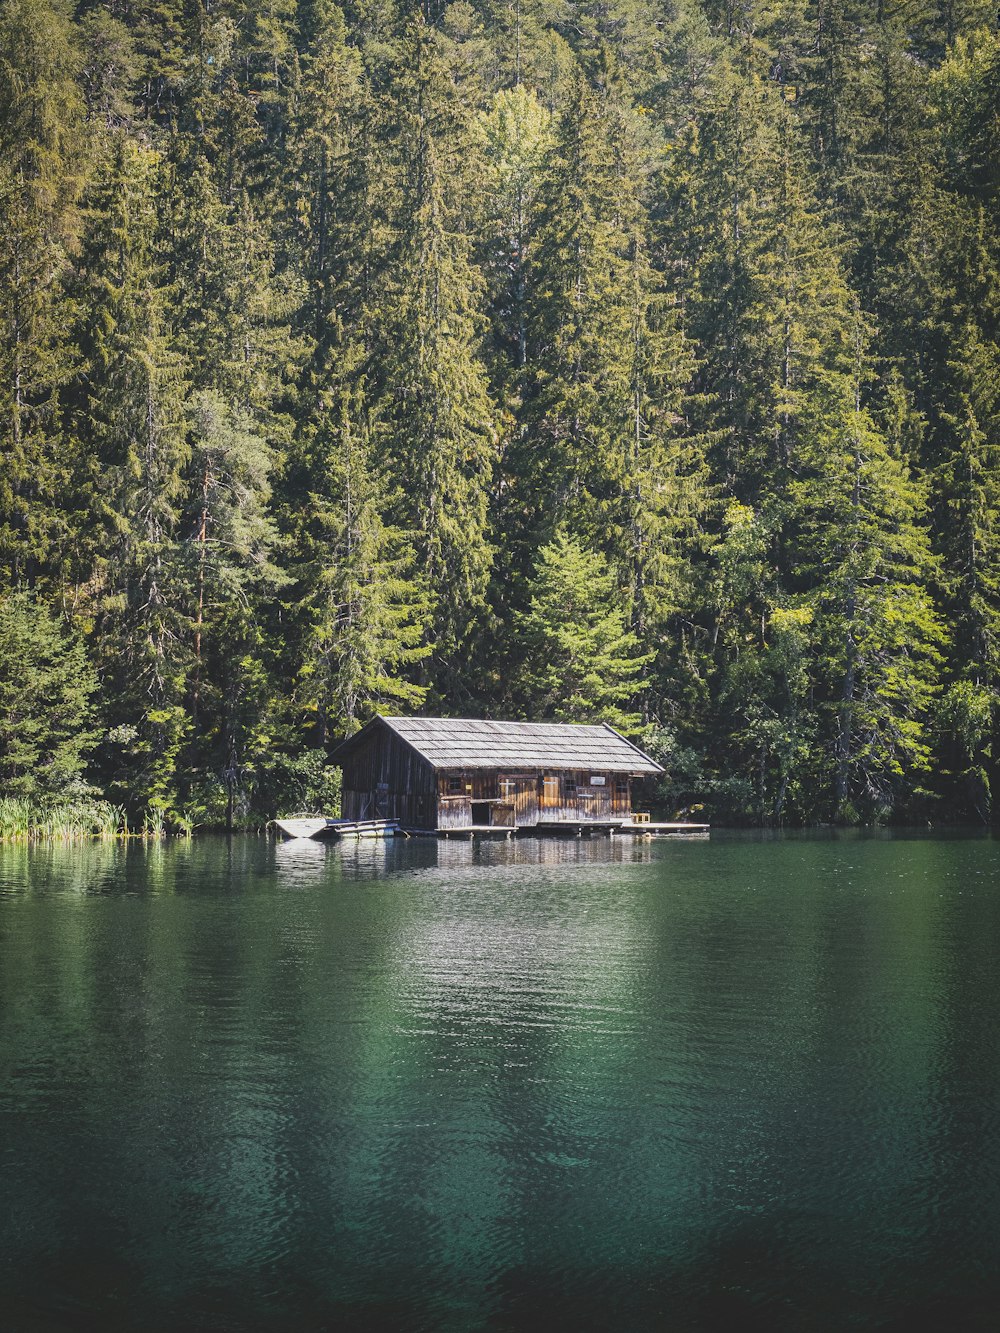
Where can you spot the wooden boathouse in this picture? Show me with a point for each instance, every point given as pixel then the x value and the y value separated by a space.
pixel 464 775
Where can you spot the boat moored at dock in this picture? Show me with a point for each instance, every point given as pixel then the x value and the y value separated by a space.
pixel 324 826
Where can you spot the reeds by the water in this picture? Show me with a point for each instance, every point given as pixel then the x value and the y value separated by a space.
pixel 67 821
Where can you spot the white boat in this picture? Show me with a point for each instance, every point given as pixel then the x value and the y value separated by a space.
pixel 303 826
pixel 322 826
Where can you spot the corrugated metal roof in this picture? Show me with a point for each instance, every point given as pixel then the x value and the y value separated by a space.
pixel 452 742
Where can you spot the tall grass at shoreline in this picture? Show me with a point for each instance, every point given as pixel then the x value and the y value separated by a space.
pixel 66 821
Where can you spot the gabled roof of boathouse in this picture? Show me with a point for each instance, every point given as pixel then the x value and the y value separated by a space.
pixel 458 742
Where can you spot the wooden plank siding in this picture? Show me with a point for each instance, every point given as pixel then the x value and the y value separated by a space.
pixel 520 793
pixel 576 796
pixel 524 798
pixel 385 779
pixel 510 797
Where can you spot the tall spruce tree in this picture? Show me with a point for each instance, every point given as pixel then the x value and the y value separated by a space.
pixel 133 411
pixel 516 136
pixel 41 173
pixel 606 445
pixel 581 329
pixel 966 496
pixel 582 662
pixel 368 609
pixel 229 546
pixel 723 181
pixel 865 548
pixel 47 688
pixel 331 232
pixel 434 416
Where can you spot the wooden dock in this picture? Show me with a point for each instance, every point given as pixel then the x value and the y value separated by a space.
pixel 611 828
pixel 478 831
pixel 322 826
pixel 575 828
pixel 651 830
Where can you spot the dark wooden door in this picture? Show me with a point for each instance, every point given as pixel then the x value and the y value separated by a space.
pixel 381 801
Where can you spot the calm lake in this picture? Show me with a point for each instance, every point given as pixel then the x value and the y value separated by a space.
pixel 751 1083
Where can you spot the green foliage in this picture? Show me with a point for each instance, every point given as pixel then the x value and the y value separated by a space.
pixel 24 820
pixel 582 321
pixel 42 144
pixel 880 636
pixel 582 663
pixel 133 412
pixel 434 411
pixel 596 360
pixel 515 137
pixel 368 610
pixel 47 686
pixel 228 547
pixel 303 783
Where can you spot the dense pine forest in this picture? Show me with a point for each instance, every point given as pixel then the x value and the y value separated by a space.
pixel 626 360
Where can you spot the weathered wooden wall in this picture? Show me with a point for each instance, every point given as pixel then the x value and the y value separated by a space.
pixel 457 789
pixel 526 797
pixel 573 796
pixel 385 779
pixel 520 791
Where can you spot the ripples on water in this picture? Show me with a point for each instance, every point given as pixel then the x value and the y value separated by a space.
pixel 543 1084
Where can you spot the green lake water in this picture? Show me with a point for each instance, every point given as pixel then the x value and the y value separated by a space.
pixel 749 1083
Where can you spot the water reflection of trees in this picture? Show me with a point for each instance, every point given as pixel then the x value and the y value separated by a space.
pixel 456 1065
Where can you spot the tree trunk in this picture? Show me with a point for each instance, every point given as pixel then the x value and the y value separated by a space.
pixel 200 614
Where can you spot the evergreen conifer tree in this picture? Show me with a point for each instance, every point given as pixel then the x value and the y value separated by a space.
pixel 606 443
pixel 515 136
pixel 582 662
pixel 229 545
pixel 862 522
pixel 133 411
pixel 41 171
pixel 581 330
pixel 368 610
pixel 434 415
pixel 47 685
pixel 966 485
